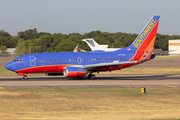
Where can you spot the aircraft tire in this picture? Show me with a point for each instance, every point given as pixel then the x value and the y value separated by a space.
pixel 25 77
pixel 91 76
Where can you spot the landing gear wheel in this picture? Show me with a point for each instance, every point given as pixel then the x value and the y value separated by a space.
pixel 91 76
pixel 25 77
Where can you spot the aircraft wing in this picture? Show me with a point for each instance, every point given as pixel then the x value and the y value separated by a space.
pixel 106 66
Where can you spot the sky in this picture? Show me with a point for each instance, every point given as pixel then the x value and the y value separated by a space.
pixel 83 16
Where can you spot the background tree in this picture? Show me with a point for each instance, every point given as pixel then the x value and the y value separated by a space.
pixel 7 40
pixel 20 48
pixel 3 49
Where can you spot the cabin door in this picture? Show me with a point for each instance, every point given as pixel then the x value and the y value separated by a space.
pixel 32 60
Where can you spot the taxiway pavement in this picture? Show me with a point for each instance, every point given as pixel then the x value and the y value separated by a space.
pixel 101 81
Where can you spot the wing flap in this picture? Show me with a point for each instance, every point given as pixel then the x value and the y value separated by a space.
pixel 105 66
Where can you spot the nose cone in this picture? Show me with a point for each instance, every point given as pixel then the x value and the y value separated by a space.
pixel 10 66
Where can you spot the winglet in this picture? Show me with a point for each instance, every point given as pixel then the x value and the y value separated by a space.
pixel 148 56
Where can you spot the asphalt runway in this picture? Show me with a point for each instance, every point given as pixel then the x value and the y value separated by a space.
pixel 101 81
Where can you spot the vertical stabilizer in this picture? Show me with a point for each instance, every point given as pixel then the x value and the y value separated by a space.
pixel 144 43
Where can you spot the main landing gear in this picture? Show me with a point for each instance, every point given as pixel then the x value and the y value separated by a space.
pixel 91 76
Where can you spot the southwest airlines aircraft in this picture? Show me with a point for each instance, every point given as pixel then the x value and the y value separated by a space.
pixel 77 64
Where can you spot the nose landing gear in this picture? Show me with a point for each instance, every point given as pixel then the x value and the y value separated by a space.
pixel 25 77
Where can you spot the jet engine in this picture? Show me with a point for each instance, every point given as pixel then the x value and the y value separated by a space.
pixel 72 71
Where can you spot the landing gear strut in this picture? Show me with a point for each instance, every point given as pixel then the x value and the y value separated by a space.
pixel 25 77
pixel 91 76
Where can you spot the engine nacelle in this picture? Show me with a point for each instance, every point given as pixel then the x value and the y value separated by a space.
pixel 54 74
pixel 74 71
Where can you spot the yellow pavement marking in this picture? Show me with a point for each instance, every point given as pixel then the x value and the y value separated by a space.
pixel 2 88
pixel 171 86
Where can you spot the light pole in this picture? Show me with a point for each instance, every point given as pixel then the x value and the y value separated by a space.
pixel 44 46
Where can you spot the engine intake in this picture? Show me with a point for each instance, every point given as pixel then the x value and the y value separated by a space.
pixel 74 71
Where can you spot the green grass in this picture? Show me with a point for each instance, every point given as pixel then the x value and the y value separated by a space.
pixel 5 72
pixel 90 103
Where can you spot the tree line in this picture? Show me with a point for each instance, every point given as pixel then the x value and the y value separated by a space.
pixel 32 41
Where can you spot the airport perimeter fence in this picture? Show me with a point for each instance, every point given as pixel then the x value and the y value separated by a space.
pixel 6 55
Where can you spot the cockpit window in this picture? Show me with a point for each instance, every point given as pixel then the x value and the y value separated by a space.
pixel 17 60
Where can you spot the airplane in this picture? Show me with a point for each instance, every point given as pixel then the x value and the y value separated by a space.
pixel 76 48
pixel 95 46
pixel 78 64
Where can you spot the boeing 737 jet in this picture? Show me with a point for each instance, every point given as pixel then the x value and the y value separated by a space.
pixel 95 46
pixel 77 64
